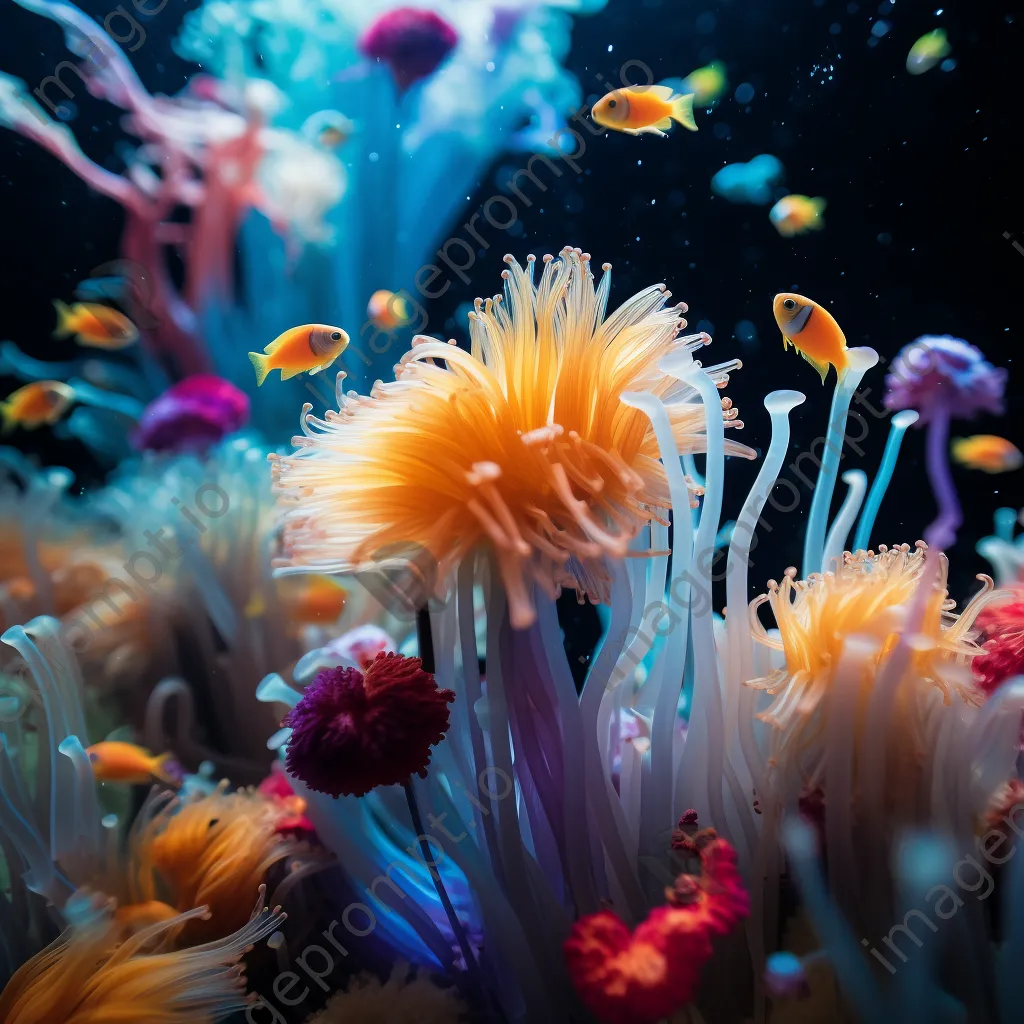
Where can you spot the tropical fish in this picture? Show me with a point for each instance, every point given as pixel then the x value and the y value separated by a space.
pixel 306 349
pixel 35 405
pixel 94 325
pixel 114 761
pixel 192 415
pixel 795 215
pixel 987 452
pixel 642 109
pixel 388 311
pixel 812 331
pixel 313 599
pixel 751 182
pixel 931 49
pixel 707 84
pixel 328 128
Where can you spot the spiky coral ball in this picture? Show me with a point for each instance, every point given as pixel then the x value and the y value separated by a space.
pixel 946 372
pixel 1003 631
pixel 353 732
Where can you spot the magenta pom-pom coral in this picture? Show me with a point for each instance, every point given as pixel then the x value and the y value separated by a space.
pixel 353 732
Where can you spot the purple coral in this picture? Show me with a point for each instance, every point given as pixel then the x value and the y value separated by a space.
pixel 353 732
pixel 944 373
pixel 413 42
pixel 944 378
pixel 192 415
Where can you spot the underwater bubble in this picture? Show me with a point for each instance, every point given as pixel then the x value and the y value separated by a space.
pixel 835 28
pixel 744 93
pixel 706 23
pixel 705 326
pixel 948 64
pixel 880 28
pixel 374 157
pixel 66 111
pixel 745 333
pixel 722 131
pixel 573 203
pixel 852 8
pixel 885 238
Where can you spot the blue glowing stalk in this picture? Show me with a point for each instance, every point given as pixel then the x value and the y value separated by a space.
pixel 860 361
pixel 897 429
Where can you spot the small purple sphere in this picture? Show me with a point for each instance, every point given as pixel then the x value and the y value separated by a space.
pixel 944 373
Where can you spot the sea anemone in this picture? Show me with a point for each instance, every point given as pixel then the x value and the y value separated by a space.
pixel 215 852
pixel 522 443
pixel 413 43
pixel 353 732
pixel 643 976
pixel 943 379
pixel 869 597
pixel 85 976
pixel 407 997
pixel 1003 629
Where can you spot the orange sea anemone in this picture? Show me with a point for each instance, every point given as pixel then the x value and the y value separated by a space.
pixel 867 598
pixel 521 443
pixel 88 976
pixel 215 852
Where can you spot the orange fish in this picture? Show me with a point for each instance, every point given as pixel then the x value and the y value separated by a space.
pixel 387 310
pixel 988 453
pixel 641 109
pixel 36 405
pixel 796 215
pixel 318 600
pixel 812 331
pixel 95 325
pixel 113 761
pixel 306 349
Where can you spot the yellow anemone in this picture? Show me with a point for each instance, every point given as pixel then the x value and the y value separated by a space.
pixel 521 443
pixel 868 597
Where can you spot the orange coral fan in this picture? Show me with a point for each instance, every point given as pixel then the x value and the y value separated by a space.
pixel 869 596
pixel 214 852
pixel 88 976
pixel 522 443
pixel 645 976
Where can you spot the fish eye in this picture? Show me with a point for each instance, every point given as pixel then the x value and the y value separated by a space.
pixel 213 822
pixel 612 104
pixel 336 336
pixel 789 304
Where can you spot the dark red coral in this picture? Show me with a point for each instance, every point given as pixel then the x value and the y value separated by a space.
pixel 413 43
pixel 352 733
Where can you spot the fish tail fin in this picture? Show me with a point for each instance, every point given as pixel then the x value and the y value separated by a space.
pixel 261 363
pixel 167 769
pixel 64 318
pixel 822 368
pixel 8 418
pixel 682 111
pixel 819 205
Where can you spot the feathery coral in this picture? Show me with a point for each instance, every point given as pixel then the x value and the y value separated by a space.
pixel 85 976
pixel 214 851
pixel 522 442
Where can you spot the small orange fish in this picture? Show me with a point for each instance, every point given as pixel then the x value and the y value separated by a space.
pixel 796 215
pixel 319 600
pixel 36 405
pixel 812 331
pixel 644 109
pixel 306 349
pixel 988 453
pixel 114 761
pixel 388 311
pixel 94 325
